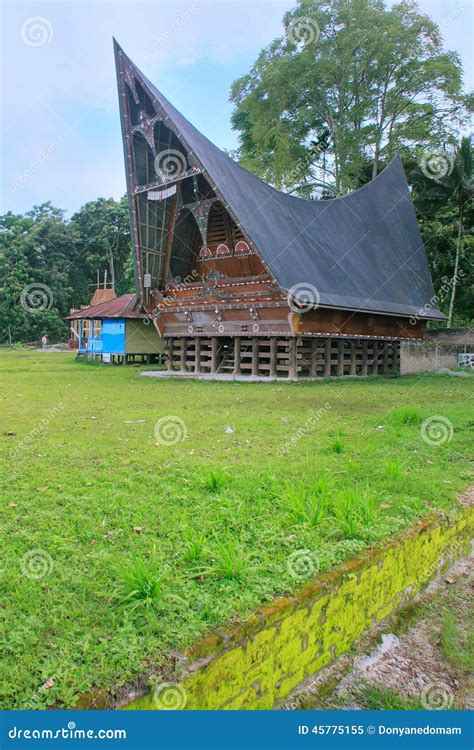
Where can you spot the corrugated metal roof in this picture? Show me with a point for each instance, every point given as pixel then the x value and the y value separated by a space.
pixel 120 307
pixel 362 251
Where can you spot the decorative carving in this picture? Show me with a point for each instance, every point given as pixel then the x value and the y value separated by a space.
pixel 146 126
pixel 242 247
pixel 222 249
pixel 212 291
pixel 129 79
pixel 215 275
pixel 253 313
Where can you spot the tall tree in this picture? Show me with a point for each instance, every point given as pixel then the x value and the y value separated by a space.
pixel 348 84
pixel 104 244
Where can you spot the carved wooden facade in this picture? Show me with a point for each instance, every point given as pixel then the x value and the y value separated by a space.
pixel 219 297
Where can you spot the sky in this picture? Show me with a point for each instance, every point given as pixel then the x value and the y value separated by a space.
pixel 60 125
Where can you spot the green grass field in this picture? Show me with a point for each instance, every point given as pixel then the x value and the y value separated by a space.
pixel 117 546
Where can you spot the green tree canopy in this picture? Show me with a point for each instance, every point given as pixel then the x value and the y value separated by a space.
pixel 349 83
pixel 48 265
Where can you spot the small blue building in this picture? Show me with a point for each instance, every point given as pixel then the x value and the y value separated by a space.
pixel 114 331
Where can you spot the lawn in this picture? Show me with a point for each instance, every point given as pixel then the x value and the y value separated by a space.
pixel 122 539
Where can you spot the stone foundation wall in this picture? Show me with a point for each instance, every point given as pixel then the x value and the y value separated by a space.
pixel 428 356
pixel 254 664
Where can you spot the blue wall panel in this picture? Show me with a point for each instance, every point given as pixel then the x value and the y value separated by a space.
pixel 111 340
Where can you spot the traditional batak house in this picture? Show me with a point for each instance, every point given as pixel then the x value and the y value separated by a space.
pixel 240 278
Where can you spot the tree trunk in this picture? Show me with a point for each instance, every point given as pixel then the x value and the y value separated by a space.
pixel 456 266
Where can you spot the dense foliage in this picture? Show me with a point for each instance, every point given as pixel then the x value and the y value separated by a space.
pixel 48 265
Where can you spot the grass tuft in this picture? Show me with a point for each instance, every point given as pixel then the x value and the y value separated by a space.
pixel 337 445
pixel 196 546
pixel 405 415
pixel 231 561
pixel 141 585
pixel 457 646
pixel 383 699
pixel 215 480
pixel 307 504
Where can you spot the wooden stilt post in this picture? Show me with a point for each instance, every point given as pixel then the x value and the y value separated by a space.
pixel 255 356
pixel 273 356
pixel 327 358
pixel 237 342
pixel 182 359
pixel 169 354
pixel 353 369
pixel 340 358
pixel 378 352
pixel 314 361
pixel 365 347
pixel 214 347
pixel 386 354
pixel 292 362
pixel 197 355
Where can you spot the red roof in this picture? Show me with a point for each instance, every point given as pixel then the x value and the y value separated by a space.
pixel 120 307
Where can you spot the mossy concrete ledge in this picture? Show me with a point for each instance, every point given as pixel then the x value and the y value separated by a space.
pixel 256 663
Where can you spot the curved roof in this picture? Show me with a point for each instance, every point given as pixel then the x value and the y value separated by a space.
pixel 362 251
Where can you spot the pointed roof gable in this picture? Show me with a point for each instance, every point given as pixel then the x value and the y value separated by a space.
pixel 362 251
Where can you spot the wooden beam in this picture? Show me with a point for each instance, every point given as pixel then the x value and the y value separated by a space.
pixel 387 345
pixel 292 358
pixel 169 354
pixel 197 355
pixel 214 349
pixel 237 342
pixel 340 358
pixel 255 356
pixel 313 366
pixel 273 356
pixel 182 359
pixel 365 347
pixel 353 370
pixel 327 358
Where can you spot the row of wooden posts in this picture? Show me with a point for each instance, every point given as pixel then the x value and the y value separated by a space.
pixel 289 357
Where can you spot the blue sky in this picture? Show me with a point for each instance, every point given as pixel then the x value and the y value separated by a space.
pixel 60 126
